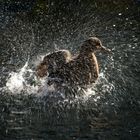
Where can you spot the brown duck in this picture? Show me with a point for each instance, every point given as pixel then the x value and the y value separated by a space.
pixel 80 70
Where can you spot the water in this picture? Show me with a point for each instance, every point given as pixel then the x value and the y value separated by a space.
pixel 107 110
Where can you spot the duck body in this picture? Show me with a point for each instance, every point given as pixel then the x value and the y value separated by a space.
pixel 52 62
pixel 82 70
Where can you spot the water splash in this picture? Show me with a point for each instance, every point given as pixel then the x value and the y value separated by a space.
pixel 25 80
pixel 22 80
pixel 97 90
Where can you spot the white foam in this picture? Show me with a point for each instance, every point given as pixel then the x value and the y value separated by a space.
pixel 18 81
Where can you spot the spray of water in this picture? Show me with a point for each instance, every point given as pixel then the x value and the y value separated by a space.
pixel 22 80
pixel 25 80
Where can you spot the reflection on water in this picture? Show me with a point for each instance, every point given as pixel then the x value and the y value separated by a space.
pixel 108 110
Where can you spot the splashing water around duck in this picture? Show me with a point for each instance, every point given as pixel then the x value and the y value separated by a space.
pixel 25 80
pixel 22 80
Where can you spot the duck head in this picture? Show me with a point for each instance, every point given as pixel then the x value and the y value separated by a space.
pixel 94 44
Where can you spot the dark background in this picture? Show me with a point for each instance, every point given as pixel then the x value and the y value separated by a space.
pixel 35 27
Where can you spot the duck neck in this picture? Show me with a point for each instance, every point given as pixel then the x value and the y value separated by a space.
pixel 85 50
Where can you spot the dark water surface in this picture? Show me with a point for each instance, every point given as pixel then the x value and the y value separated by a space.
pixel 110 110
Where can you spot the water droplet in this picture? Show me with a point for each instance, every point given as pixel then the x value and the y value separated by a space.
pixel 114 25
pixel 120 14
pixel 52 3
pixel 126 18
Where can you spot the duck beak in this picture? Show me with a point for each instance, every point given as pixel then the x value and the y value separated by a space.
pixel 103 48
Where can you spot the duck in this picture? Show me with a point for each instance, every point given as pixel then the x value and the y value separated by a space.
pixel 84 68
